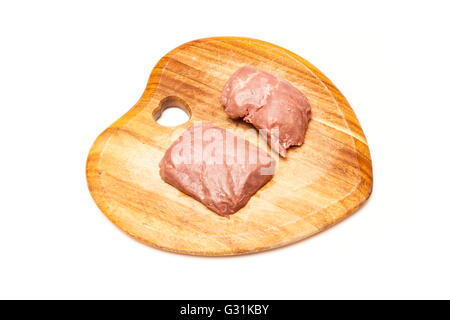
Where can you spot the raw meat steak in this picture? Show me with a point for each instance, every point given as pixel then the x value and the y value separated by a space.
pixel 269 103
pixel 216 167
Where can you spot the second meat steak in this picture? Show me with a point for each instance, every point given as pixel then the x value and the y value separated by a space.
pixel 269 103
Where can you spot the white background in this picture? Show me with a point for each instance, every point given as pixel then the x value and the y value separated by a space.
pixel 69 69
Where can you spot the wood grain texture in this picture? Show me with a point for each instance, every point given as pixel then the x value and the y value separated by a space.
pixel 317 185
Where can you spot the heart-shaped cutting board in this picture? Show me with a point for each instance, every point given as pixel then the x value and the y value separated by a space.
pixel 317 185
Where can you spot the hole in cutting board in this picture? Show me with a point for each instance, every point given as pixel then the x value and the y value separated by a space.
pixel 172 111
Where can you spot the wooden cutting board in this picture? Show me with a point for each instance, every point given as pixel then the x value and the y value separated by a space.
pixel 317 185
